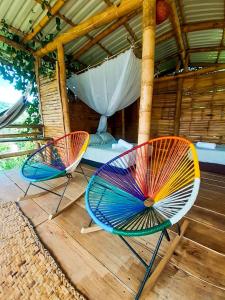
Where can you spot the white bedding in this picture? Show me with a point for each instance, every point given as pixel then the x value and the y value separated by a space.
pixel 104 153
pixel 215 156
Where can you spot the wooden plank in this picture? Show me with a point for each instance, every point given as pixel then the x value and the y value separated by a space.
pixel 207 236
pixel 164 261
pixel 9 190
pixel 34 212
pixel 87 273
pixel 15 154
pixel 207 217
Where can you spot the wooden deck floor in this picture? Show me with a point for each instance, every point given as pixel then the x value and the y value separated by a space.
pixel 103 268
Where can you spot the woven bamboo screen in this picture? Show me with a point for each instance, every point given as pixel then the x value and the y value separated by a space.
pixel 202 108
pixel 51 107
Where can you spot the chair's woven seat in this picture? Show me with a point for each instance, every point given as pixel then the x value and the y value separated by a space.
pixel 146 189
pixel 40 172
pixel 57 158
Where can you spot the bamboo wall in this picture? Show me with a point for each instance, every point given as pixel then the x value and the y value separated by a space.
pixel 202 111
pixel 51 107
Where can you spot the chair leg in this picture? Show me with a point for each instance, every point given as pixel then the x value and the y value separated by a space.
pixel 147 266
pixel 25 194
pixel 82 170
pixel 27 189
pixel 69 176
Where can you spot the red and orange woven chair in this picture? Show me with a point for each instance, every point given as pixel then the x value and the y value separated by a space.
pixel 59 158
pixel 145 190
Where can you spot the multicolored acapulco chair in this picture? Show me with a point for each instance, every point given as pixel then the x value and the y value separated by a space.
pixel 145 190
pixel 58 158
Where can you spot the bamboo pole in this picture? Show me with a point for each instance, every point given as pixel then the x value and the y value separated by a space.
pixel 62 86
pixel 37 75
pixel 126 26
pixel 178 106
pixel 18 46
pixel 177 28
pixel 69 22
pixel 107 16
pixel 147 72
pixel 44 21
pixel 192 73
pixel 197 26
pixel 206 49
pixel 103 34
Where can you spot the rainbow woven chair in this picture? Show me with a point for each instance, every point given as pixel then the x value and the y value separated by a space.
pixel 145 190
pixel 59 158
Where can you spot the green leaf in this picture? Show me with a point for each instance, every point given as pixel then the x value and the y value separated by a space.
pixel 58 21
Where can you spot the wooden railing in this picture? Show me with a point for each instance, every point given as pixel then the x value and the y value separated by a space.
pixel 30 133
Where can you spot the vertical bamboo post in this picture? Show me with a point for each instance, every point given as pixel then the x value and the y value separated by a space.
pixel 178 106
pixel 62 85
pixel 37 64
pixel 147 73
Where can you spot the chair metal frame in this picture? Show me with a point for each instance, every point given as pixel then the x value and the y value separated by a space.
pixel 68 175
pixel 185 193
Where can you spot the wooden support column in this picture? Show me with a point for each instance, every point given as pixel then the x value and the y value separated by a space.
pixel 177 28
pixel 147 73
pixel 178 106
pixel 37 75
pixel 62 87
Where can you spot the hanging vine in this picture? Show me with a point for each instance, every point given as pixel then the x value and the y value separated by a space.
pixel 17 66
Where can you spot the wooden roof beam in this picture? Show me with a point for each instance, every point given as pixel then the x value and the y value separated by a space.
pixel 206 49
pixel 127 26
pixel 104 17
pixel 69 22
pixel 103 34
pixel 177 28
pixel 18 46
pixel 44 21
pixel 192 73
pixel 197 26
pixel 223 35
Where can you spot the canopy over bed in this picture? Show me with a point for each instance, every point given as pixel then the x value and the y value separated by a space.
pixel 110 87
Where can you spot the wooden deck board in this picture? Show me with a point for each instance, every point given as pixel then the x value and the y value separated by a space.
pixel 89 275
pixel 101 266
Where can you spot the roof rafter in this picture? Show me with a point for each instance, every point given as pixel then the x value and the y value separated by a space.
pixel 177 28
pixel 102 18
pixel 223 35
pixel 18 46
pixel 206 49
pixel 103 34
pixel 72 24
pixel 203 25
pixel 126 25
pixel 44 21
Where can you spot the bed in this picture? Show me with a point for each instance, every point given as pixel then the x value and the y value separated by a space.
pixel 101 154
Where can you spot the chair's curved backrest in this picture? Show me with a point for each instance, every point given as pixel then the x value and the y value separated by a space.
pixel 162 174
pixel 60 156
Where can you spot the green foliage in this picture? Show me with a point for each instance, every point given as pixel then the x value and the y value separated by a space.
pixel 14 162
